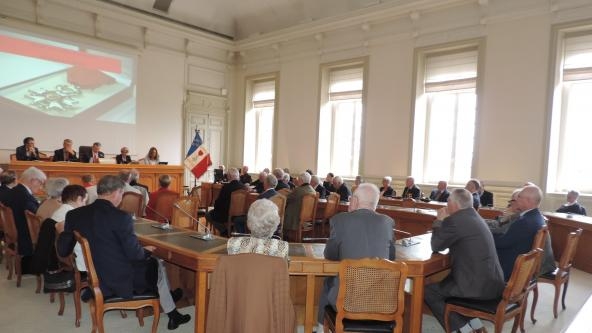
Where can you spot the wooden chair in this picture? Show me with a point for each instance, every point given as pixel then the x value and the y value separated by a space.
pixel 537 243
pixel 99 305
pixel 330 210
pixel 510 305
pixel 12 157
pixel 280 201
pixel 132 203
pixel 215 192
pixel 164 205
pixel 285 192
pixel 81 281
pixel 205 196
pixel 189 204
pixel 561 275
pixel 371 297
pixel 34 225
pixel 308 212
pixel 13 259
pixel 238 207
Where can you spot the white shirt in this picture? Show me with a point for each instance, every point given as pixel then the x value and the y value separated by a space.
pixel 60 216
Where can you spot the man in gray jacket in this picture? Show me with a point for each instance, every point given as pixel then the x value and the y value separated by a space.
pixel 476 272
pixel 359 233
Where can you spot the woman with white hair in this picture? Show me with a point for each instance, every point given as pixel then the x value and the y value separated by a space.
pixel 53 188
pixel 263 220
pixel 387 190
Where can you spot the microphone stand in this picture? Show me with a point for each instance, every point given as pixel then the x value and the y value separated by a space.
pixel 207 236
pixel 166 225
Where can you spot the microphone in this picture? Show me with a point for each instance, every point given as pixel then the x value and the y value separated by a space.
pixel 207 236
pixel 166 225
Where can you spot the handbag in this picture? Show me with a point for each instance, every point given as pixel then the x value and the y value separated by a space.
pixel 58 281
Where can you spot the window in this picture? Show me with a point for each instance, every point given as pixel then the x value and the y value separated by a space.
pixel 259 119
pixel 445 111
pixel 340 121
pixel 569 160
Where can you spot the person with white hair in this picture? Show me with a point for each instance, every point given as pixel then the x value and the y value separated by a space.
pixel 341 189
pixel 21 198
pixel 520 235
pixel 572 206
pixel 269 184
pixel 53 188
pixel 476 272
pixel 258 184
pixel 294 204
pixel 473 186
pixel 279 175
pixel 359 233
pixel 387 190
pixel 263 220
pixel 441 192
pixel 411 190
pixel 315 182
pixel 219 215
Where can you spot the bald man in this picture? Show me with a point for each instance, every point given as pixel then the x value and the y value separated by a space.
pixel 520 235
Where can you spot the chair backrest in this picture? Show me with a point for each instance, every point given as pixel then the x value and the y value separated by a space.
pixel 188 204
pixel 164 205
pixel 285 191
pixel 132 203
pixel 93 279
pixel 372 289
pixel 205 195
pixel 238 207
pixel 215 192
pixel 539 239
pixel 280 201
pixel 34 225
pixel 10 232
pixel 569 252
pixel 308 208
pixel 331 206
pixel 84 151
pixel 522 273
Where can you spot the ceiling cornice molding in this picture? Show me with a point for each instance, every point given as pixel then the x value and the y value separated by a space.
pixel 386 11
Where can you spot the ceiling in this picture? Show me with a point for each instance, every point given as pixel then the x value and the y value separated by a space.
pixel 239 19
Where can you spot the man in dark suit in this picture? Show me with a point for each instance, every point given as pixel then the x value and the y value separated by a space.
pixel 387 190
pixel 20 199
pixel 7 181
pixel 315 183
pixel 411 190
pixel 328 182
pixel 124 157
pixel 269 184
pixel 473 187
pixel 245 178
pixel 259 182
pixel 475 272
pixel 520 235
pixel 485 197
pixel 341 189
pixel 359 233
pixel 28 151
pixel 65 154
pixel 441 193
pixel 219 215
pixel 572 206
pixel 123 266
pixel 94 156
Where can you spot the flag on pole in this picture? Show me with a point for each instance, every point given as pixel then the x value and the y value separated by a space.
pixel 198 162
pixel 195 144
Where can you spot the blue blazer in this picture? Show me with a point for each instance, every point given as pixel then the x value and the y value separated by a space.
pixel 517 240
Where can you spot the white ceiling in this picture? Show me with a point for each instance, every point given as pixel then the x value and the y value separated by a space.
pixel 240 19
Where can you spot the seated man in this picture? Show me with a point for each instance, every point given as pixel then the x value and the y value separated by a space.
pixel 164 181
pixel 123 266
pixel 473 187
pixel 294 203
pixel 387 190
pixel 315 183
pixel 66 153
pixel 341 189
pixel 441 193
pixel 245 178
pixel 95 154
pixel 411 190
pixel 279 175
pixel 476 272
pixel 572 206
pixel 485 197
pixel 359 233
pixel 328 182
pixel 8 181
pixel 520 235
pixel 269 184
pixel 259 182
pixel 135 176
pixel 219 215
pixel 28 151
pixel 124 157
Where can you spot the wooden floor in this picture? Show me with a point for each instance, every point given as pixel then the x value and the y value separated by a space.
pixel 23 311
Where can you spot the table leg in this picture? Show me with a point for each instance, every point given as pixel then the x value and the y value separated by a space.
pixel 415 311
pixel 309 307
pixel 201 286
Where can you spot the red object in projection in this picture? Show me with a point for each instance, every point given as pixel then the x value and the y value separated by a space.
pixel 58 54
pixel 87 78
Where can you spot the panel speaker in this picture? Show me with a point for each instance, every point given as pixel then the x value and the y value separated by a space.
pixel 162 5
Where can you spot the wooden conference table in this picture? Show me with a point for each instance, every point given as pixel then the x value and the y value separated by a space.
pixel 177 247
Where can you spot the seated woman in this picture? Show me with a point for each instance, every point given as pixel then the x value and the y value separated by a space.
pixel 54 188
pixel 73 196
pixel 152 158
pixel 263 220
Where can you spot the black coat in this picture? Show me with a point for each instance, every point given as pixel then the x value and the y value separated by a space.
pixel 120 160
pixel 20 200
pixel 414 191
pixel 222 204
pixel 21 154
pixel 58 156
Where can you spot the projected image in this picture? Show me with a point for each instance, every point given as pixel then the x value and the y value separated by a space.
pixel 65 80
